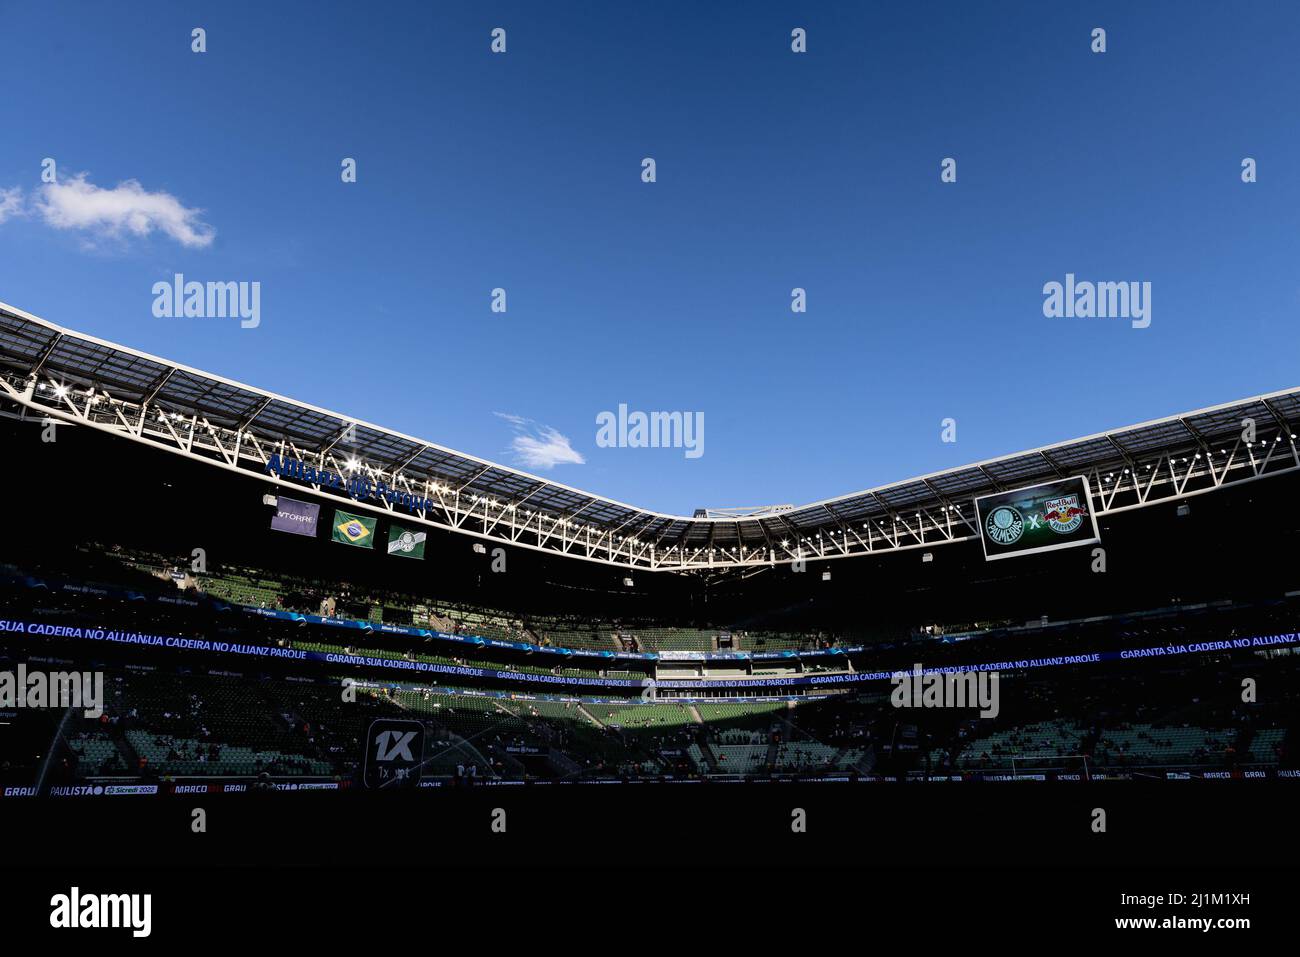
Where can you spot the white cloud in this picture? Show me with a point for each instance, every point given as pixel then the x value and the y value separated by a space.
pixel 128 207
pixel 540 446
pixel 11 203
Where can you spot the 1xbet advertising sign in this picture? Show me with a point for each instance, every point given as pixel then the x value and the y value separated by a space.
pixel 1041 518
pixel 394 753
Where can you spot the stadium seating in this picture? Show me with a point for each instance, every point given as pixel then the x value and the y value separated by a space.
pixel 741 758
pixel 1039 742
pixel 643 716
pixel 188 757
pixel 97 753
pixel 1159 746
pixel 1266 744
pixel 804 756
pixel 170 715
pixel 736 713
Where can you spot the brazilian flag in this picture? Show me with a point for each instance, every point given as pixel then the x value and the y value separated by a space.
pixel 353 529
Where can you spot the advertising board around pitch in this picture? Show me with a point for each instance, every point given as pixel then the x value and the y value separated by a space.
pixel 1041 518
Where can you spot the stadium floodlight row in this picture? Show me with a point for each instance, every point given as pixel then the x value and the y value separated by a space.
pixel 50 372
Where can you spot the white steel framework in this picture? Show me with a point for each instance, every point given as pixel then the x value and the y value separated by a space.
pixel 51 373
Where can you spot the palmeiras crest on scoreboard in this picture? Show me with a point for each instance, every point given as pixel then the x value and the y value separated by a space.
pixel 394 753
pixel 1005 525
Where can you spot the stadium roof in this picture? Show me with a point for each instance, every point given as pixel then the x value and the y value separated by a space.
pixel 47 370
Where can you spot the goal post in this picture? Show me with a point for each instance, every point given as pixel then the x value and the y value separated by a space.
pixel 1052 763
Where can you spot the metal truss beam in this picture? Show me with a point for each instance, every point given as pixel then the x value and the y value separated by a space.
pixel 1123 483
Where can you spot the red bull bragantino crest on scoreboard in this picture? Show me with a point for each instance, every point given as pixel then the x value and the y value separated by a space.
pixel 1041 518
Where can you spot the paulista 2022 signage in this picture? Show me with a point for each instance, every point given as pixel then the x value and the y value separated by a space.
pixel 1041 518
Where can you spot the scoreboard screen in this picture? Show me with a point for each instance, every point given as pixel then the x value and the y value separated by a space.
pixel 1041 518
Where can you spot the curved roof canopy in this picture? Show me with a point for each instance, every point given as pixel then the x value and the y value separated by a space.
pixel 47 370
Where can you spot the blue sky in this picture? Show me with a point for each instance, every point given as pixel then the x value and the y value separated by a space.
pixel 775 170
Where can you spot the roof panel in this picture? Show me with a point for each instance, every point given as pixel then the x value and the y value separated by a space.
pixel 131 376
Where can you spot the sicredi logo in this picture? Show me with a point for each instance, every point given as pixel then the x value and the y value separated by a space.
pixel 75 910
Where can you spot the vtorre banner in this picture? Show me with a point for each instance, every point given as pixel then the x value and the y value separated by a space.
pixel 295 517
